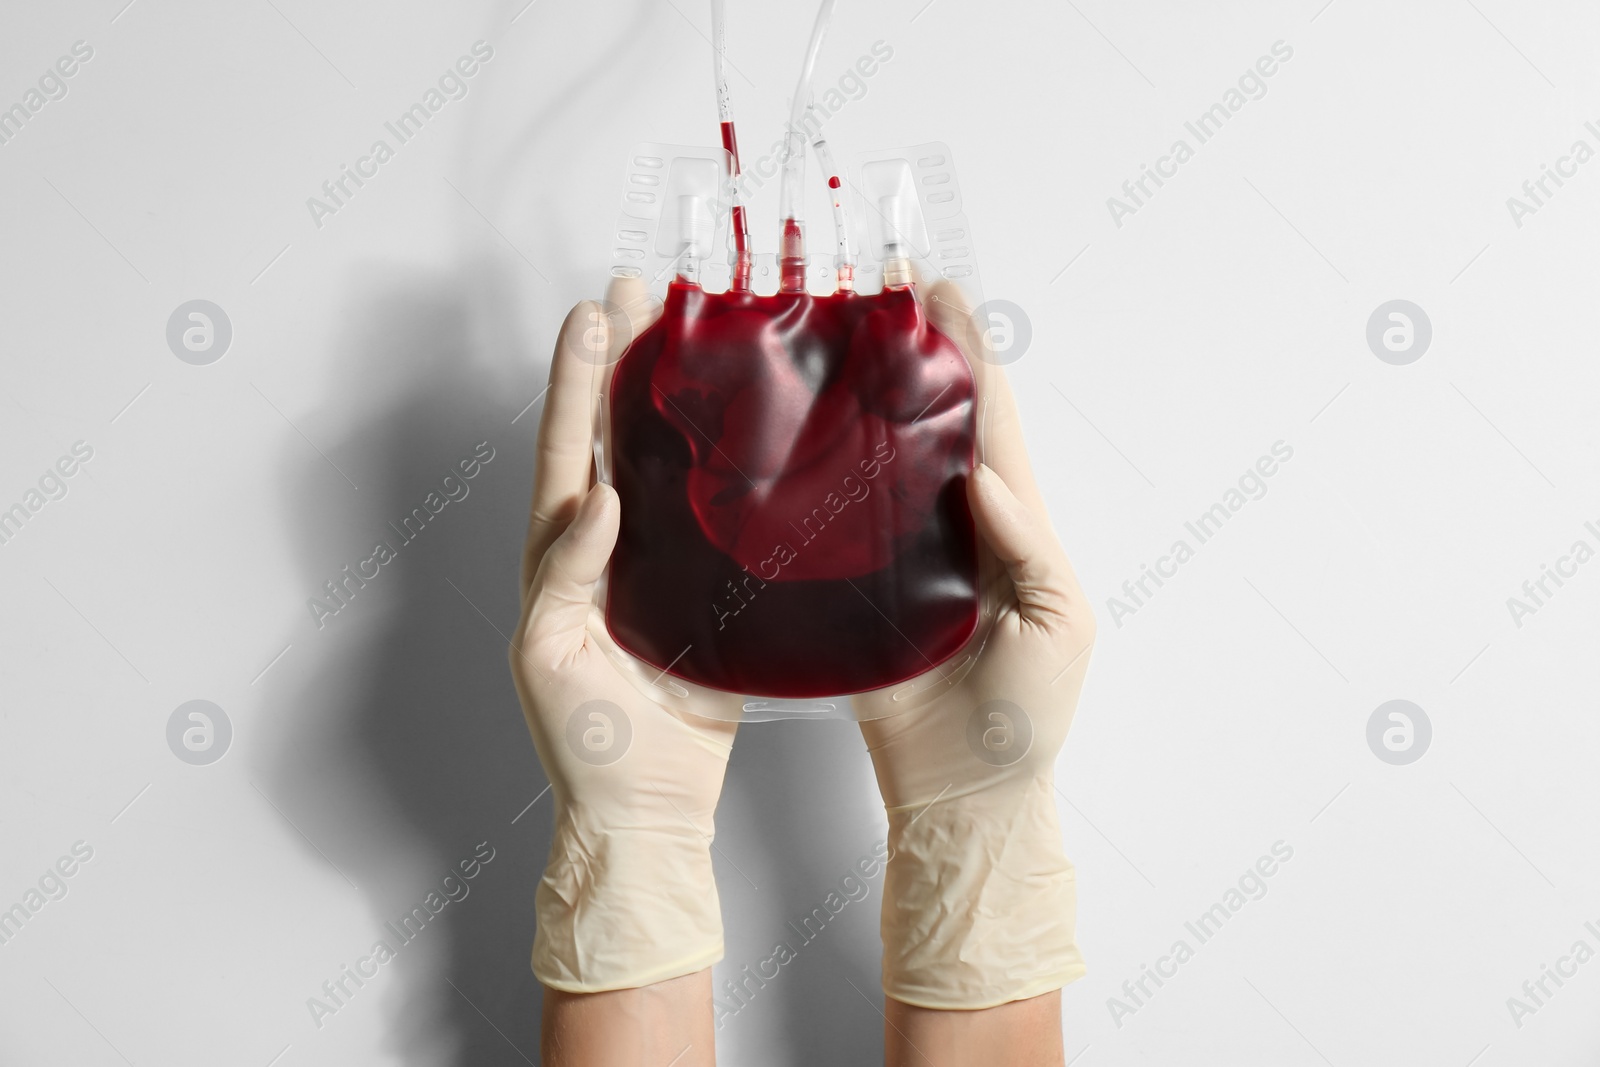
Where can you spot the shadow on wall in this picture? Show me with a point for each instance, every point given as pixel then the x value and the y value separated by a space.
pixel 407 753
pixel 799 811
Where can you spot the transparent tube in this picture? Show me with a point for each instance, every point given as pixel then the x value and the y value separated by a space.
pixel 739 221
pixel 792 254
pixel 844 261
pixel 719 58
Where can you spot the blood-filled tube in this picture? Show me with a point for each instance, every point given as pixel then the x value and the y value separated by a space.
pixel 739 222
pixel 844 261
pixel 792 246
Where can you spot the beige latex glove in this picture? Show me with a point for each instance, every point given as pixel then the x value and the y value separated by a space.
pixel 627 898
pixel 979 897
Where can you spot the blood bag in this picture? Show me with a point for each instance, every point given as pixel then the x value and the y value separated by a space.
pixel 791 470
pixel 790 439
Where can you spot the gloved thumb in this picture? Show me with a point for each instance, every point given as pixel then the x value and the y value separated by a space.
pixel 1026 546
pixel 563 589
pixel 948 309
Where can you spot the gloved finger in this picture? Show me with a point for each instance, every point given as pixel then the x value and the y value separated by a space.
pixel 630 310
pixel 562 594
pixel 632 299
pixel 1047 589
pixel 591 341
pixel 999 425
pixel 563 462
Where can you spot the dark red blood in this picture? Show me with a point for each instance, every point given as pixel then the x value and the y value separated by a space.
pixel 792 258
pixel 791 468
pixel 741 226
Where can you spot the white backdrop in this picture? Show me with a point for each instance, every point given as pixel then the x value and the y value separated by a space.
pixel 1176 340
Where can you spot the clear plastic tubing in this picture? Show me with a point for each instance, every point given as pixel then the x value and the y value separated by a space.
pixel 740 222
pixel 844 263
pixel 792 254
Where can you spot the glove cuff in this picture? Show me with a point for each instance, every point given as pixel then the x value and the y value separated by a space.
pixel 618 909
pixel 980 901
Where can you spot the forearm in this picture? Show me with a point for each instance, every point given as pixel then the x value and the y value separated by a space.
pixel 979 901
pixel 666 1023
pixel 1023 1033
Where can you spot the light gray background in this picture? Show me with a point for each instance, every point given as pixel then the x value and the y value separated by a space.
pixel 371 354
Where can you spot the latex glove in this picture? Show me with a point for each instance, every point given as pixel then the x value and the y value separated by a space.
pixel 979 898
pixel 627 897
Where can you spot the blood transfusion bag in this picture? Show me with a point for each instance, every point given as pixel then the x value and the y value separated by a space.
pixel 792 464
pixel 790 468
